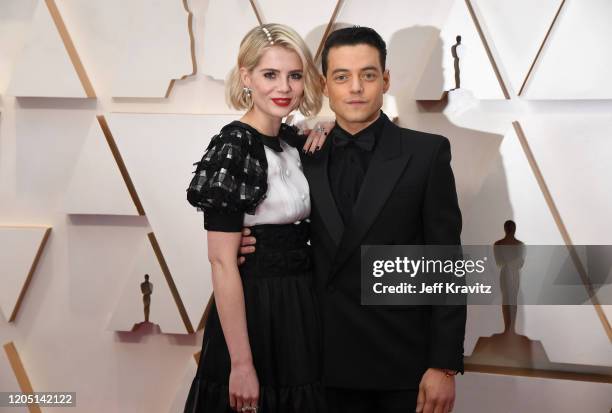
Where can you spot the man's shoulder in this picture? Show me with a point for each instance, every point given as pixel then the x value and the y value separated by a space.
pixel 421 140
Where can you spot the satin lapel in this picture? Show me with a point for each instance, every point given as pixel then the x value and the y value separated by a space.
pixel 315 170
pixel 386 166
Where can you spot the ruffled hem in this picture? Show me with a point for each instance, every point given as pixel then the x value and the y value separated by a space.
pixel 206 396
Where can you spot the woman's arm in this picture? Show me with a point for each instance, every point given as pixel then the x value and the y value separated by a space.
pixel 229 299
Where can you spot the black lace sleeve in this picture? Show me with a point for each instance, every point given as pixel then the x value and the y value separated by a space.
pixel 230 180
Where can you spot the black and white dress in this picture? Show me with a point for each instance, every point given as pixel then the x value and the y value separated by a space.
pixel 247 178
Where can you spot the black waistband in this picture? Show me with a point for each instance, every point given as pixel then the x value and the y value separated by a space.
pixel 280 250
pixel 281 236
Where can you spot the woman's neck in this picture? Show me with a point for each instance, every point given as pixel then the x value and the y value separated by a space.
pixel 268 125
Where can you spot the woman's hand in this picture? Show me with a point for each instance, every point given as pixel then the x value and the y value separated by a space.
pixel 317 136
pixel 243 387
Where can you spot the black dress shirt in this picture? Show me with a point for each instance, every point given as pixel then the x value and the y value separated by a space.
pixel 349 160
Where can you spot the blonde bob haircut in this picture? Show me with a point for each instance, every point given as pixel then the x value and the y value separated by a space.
pixel 252 48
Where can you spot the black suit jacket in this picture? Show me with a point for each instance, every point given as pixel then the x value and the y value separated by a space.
pixel 407 197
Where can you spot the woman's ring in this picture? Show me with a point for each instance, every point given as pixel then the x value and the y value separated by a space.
pixel 319 129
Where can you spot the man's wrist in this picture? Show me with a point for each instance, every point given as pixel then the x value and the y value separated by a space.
pixel 447 372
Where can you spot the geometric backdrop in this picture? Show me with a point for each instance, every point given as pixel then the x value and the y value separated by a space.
pixel 148 79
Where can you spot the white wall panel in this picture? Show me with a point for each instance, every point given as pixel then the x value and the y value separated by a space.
pixel 220 44
pixel 15 17
pixel 516 30
pixel 44 50
pixel 158 50
pixel 96 186
pixel 486 393
pixel 18 249
pixel 575 63
pixel 158 151
pixel 510 191
pixel 46 144
pixel 101 32
pixel 573 153
pixel 183 386
pixel 310 22
pixel 570 334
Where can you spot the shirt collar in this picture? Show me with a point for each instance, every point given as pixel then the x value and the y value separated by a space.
pixel 271 142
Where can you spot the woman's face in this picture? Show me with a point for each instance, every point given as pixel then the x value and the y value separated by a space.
pixel 276 83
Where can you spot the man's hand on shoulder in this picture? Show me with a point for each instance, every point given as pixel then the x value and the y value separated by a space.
pixel 436 391
pixel 247 244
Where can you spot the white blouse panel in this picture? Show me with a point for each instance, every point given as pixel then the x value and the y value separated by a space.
pixel 288 197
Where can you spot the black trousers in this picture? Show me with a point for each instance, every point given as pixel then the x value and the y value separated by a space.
pixel 371 401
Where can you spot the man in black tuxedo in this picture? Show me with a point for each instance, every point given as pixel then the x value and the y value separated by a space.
pixel 374 183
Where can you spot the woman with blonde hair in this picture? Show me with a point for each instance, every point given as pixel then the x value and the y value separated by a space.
pixel 261 346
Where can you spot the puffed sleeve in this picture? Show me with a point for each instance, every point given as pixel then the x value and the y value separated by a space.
pixel 230 180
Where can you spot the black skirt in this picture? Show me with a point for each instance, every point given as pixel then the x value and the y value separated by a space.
pixel 283 326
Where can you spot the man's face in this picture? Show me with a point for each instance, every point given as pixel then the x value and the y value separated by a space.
pixel 355 84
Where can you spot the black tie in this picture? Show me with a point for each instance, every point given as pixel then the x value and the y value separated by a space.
pixel 363 141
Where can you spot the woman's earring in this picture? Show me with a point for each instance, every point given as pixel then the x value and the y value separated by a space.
pixel 246 91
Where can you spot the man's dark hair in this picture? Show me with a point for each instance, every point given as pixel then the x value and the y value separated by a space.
pixel 352 36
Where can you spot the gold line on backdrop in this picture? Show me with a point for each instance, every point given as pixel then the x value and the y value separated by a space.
pixel 120 164
pixel 537 56
pixel 487 49
pixel 20 374
pixel 256 11
pixel 562 228
pixel 26 284
pixel 171 284
pixel 69 45
pixel 540 373
pixel 332 20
